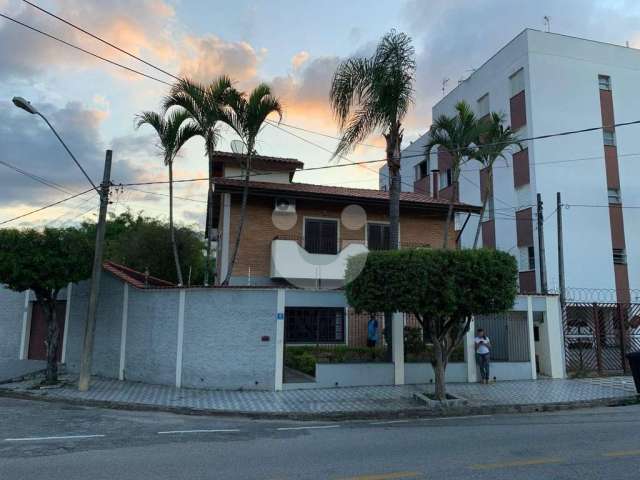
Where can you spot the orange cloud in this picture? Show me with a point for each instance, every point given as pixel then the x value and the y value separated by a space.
pixel 299 58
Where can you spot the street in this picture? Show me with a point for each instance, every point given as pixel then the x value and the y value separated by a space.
pixel 70 442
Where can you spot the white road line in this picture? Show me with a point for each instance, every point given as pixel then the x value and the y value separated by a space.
pixel 389 422
pixel 35 439
pixel 307 428
pixel 452 418
pixel 220 430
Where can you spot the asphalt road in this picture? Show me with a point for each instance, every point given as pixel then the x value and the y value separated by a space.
pixel 53 441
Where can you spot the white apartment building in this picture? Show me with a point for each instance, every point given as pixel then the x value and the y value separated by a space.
pixel 547 83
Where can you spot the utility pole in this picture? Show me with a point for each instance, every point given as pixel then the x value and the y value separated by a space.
pixel 541 255
pixel 560 249
pixel 96 273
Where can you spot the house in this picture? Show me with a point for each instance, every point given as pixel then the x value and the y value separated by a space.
pixel 547 83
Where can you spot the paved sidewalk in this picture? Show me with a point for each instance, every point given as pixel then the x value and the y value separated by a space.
pixel 11 369
pixel 383 400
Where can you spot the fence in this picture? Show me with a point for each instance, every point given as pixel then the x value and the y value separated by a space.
pixel 509 335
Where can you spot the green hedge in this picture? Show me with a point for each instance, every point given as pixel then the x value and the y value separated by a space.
pixel 304 358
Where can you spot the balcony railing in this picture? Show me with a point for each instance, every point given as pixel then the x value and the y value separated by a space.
pixel 334 247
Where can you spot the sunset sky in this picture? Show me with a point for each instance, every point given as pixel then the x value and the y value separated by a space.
pixel 294 46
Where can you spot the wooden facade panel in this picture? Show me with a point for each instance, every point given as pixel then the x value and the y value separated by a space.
pixel 611 166
pixel 518 110
pixel 422 185
pixel 617 226
pixel 622 283
pixel 527 282
pixel 606 108
pixel 489 234
pixel 521 168
pixel 524 227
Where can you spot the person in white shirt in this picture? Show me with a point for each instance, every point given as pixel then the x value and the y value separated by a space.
pixel 483 351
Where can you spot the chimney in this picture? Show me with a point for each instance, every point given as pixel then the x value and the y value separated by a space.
pixel 436 183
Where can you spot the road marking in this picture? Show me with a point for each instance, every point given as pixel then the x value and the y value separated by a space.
pixel 307 428
pixel 36 439
pixel 452 418
pixel 623 453
pixel 385 476
pixel 517 463
pixel 389 422
pixel 219 430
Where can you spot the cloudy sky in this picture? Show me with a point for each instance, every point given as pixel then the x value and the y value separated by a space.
pixel 293 45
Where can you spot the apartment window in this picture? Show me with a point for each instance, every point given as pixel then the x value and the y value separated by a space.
pixel 321 236
pixel 604 81
pixel 527 259
pixel 489 209
pixel 314 325
pixel 619 256
pixel 609 137
pixel 422 169
pixel 516 82
pixel 614 196
pixel 378 236
pixel 483 106
pixel 446 178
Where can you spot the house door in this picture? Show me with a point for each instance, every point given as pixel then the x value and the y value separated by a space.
pixel 38 332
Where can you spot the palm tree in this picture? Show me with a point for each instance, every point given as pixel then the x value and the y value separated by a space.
pixel 204 105
pixel 173 132
pixel 493 144
pixel 246 116
pixel 373 95
pixel 459 136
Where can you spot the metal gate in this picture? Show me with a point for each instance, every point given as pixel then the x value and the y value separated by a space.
pixel 597 336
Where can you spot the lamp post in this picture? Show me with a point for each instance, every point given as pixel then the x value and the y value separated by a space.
pixel 103 191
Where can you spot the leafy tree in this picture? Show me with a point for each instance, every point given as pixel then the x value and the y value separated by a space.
pixel 442 288
pixel 45 262
pixel 374 94
pixel 493 144
pixel 246 116
pixel 173 132
pixel 142 243
pixel 459 136
pixel 205 106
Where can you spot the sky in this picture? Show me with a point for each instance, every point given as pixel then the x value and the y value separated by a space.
pixel 293 46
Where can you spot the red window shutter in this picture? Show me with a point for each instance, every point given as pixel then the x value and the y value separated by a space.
pixel 521 168
pixel 518 111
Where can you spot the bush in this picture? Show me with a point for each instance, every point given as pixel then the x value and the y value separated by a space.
pixel 304 358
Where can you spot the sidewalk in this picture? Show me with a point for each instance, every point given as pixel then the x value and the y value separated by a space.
pixel 356 402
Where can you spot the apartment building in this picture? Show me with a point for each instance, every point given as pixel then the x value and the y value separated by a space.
pixel 547 83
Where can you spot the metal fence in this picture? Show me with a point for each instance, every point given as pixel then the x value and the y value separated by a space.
pixel 509 335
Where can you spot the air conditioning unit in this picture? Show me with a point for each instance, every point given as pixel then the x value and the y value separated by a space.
pixel 285 205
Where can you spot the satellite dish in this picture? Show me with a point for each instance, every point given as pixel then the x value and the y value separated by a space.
pixel 239 147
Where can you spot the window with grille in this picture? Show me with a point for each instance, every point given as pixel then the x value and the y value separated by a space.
pixel 446 179
pixel 604 81
pixel 614 196
pixel 321 236
pixel 619 256
pixel 378 236
pixel 314 325
pixel 527 258
pixel 422 169
pixel 609 137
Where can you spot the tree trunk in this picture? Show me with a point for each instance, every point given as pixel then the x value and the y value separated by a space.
pixel 171 228
pixel 439 365
pixel 484 206
pixel 209 219
pixel 243 211
pixel 452 200
pixel 51 342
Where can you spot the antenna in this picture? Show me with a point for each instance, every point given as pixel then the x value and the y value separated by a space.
pixel 239 147
pixel 547 23
pixel 444 84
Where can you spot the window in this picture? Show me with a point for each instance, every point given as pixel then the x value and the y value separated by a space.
pixel 314 325
pixel 378 236
pixel 609 137
pixel 532 258
pixel 489 209
pixel 483 106
pixel 614 196
pixel 422 169
pixel 604 81
pixel 321 236
pixel 527 259
pixel 516 82
pixel 446 178
pixel 619 256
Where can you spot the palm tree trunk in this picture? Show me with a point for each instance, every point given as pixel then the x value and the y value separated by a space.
pixel 452 200
pixel 243 212
pixel 487 192
pixel 171 229
pixel 209 219
pixel 393 139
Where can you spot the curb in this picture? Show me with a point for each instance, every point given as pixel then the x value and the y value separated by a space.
pixel 417 412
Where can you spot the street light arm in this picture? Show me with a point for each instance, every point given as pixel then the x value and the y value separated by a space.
pixel 67 149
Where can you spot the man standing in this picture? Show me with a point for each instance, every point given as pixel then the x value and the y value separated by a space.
pixel 372 332
pixel 483 346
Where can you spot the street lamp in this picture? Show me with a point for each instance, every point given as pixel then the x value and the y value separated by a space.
pixel 103 191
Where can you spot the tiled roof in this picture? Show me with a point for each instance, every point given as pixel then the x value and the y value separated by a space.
pixel 301 189
pixel 134 277
pixel 263 158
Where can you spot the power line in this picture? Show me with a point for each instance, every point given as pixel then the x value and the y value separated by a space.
pixel 52 37
pixel 35 177
pixel 45 207
pixel 567 205
pixel 165 194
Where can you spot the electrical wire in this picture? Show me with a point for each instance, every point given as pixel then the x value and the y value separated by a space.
pixel 45 207
pixel 35 177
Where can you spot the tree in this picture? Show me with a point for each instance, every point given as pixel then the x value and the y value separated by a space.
pixel 246 116
pixel 45 262
pixel 459 136
pixel 205 106
pixel 373 95
pixel 442 288
pixel 143 243
pixel 173 132
pixel 493 144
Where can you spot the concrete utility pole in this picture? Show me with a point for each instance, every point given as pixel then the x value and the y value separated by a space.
pixel 541 255
pixel 560 249
pixel 90 327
